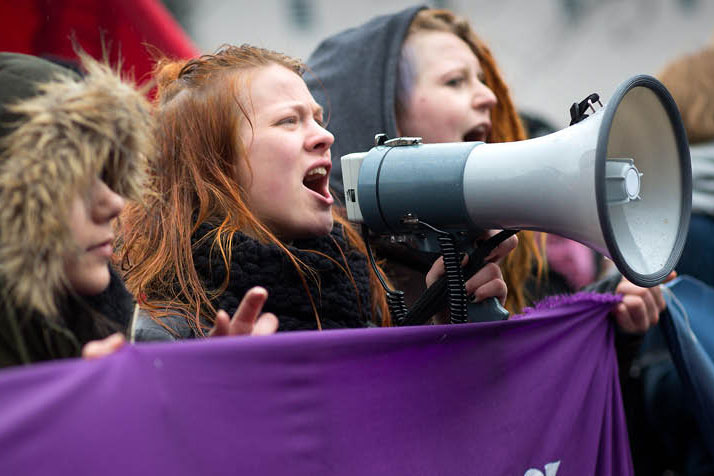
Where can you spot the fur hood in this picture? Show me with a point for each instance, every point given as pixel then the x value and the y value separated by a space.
pixel 69 132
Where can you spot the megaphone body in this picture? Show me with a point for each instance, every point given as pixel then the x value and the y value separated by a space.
pixel 619 182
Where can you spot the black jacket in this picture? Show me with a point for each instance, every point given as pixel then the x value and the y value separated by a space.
pixel 27 337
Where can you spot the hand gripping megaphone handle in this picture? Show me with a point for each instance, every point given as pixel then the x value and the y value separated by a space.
pixel 435 297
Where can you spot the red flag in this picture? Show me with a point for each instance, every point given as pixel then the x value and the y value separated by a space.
pixel 130 28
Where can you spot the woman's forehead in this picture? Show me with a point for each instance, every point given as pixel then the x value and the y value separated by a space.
pixel 273 85
pixel 432 50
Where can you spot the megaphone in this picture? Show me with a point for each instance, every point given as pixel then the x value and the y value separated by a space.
pixel 618 182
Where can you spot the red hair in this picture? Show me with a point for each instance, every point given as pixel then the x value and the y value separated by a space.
pixel 195 180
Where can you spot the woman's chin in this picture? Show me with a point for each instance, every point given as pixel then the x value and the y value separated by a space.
pixel 321 226
pixel 90 282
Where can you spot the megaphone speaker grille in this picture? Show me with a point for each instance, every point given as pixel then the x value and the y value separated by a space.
pixel 645 234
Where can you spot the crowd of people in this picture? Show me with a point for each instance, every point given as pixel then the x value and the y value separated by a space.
pixel 215 211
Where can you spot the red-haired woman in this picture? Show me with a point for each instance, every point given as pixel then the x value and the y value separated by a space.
pixel 239 198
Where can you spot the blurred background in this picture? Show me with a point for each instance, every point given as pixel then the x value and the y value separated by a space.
pixel 552 52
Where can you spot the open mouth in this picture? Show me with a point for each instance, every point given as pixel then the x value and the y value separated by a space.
pixel 477 134
pixel 317 180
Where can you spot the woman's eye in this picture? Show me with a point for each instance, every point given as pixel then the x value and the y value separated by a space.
pixel 320 122
pixel 455 82
pixel 288 120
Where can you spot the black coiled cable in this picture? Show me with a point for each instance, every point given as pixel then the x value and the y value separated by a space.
pixel 395 298
pixel 449 289
pixel 454 277
pixel 434 298
pixel 455 287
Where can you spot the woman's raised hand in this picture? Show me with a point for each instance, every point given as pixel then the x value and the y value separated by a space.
pixel 248 319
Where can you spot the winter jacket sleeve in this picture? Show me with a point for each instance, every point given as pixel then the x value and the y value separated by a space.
pixel 144 328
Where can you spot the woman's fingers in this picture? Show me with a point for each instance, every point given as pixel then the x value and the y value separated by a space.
pixel 503 249
pixel 247 320
pixel 265 325
pixel 487 282
pixel 436 271
pixel 101 348
pixel 248 311
pixel 220 325
pixel 640 307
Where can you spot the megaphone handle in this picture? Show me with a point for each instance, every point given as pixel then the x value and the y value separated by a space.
pixel 434 298
pixel 489 309
pixel 486 311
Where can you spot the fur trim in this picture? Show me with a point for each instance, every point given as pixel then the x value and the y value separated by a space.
pixel 72 132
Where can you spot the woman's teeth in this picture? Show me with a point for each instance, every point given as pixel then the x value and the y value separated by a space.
pixel 316 173
pixel 315 179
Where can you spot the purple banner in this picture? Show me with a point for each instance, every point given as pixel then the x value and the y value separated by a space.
pixel 537 395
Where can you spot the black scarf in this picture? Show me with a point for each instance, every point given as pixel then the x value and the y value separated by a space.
pixel 338 303
pixel 27 337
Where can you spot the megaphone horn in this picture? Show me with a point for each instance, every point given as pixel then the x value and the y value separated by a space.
pixel 618 181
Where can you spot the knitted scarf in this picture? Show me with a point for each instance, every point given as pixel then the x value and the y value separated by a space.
pixel 339 302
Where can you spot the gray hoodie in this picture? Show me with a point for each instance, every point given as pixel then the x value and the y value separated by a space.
pixel 353 75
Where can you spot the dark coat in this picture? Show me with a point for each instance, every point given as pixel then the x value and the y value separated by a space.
pixel 27 336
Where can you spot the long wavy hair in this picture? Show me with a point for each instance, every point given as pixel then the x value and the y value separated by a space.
pixel 506 127
pixel 194 180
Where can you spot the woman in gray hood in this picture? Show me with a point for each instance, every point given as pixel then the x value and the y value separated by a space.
pixel 363 80
pixel 424 72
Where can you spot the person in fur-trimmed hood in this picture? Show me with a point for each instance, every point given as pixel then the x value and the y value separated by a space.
pixel 71 151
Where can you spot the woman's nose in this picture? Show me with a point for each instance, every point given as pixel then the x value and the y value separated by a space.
pixel 483 97
pixel 320 139
pixel 106 203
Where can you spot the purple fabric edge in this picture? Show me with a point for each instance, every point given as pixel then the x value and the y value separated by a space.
pixel 552 302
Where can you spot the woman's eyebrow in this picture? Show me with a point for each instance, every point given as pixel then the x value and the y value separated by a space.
pixel 302 108
pixel 460 69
